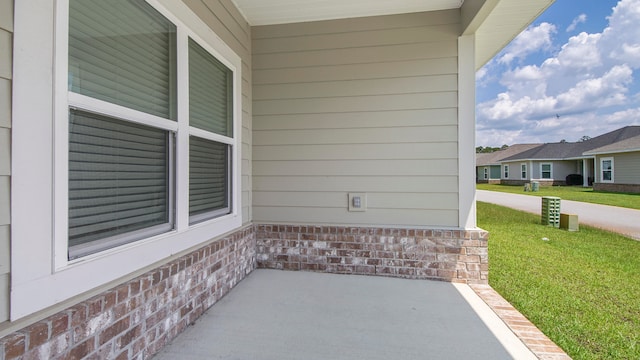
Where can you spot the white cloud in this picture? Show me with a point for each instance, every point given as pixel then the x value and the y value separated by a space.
pixel 529 41
pixel 586 82
pixel 593 93
pixel 578 20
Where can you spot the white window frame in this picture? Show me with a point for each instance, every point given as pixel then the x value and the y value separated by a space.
pixel 523 171
pixel 550 171
pixel 486 173
pixel 602 160
pixel 505 171
pixel 41 274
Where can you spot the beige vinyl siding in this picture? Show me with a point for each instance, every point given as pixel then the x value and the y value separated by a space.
pixel 566 167
pixel 227 22
pixel 6 55
pixel 626 168
pixel 357 105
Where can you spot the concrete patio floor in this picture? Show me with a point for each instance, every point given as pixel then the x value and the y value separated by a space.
pixel 276 314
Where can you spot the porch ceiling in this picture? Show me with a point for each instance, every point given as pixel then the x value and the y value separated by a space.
pixel 494 22
pixel 267 12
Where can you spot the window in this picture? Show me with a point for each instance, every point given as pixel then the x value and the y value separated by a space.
pixel 486 173
pixel 506 171
pixel 523 171
pixel 121 55
pixel 210 104
pixel 545 171
pixel 122 71
pixel 606 166
pixel 114 160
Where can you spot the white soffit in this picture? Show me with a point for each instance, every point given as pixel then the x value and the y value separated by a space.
pixel 268 12
pixel 506 19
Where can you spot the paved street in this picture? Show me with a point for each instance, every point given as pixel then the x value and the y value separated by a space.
pixel 616 219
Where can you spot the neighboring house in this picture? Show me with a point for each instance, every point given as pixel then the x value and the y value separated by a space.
pixel 548 164
pixel 154 153
pixel 489 168
pixel 618 166
pixel 551 163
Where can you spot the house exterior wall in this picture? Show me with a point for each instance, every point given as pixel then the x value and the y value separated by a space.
pixel 493 174
pixel 563 168
pixel 6 47
pixel 626 173
pixel 559 171
pixel 627 168
pixel 364 105
pixel 137 314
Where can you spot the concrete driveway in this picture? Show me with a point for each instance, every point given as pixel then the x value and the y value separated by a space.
pixel 621 220
pixel 275 314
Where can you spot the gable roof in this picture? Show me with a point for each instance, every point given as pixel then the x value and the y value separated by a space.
pixel 576 150
pixel 494 158
pixel 627 145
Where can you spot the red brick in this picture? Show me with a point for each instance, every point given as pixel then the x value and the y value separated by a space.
pixel 38 334
pixel 94 307
pixel 386 270
pixel 362 269
pixel 122 293
pixel 14 346
pixel 78 315
pixel 109 300
pixel 123 355
pixel 59 324
pixel 128 337
pixel 134 288
pixel 113 330
pixel 81 350
pixel 447 274
pixel 291 266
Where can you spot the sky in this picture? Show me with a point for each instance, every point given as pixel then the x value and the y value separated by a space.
pixel 574 72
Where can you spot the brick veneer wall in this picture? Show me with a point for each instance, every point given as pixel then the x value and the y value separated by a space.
pixel 449 255
pixel 541 182
pixel 623 188
pixel 136 319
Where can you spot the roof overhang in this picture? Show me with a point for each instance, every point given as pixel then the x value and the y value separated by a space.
pixel 609 152
pixel 269 12
pixel 494 22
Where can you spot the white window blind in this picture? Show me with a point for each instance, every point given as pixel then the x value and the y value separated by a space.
pixel 118 182
pixel 123 52
pixel 210 109
pixel 210 89
pixel 208 179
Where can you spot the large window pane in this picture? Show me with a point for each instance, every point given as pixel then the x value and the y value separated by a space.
pixel 123 52
pixel 209 180
pixel 210 92
pixel 119 188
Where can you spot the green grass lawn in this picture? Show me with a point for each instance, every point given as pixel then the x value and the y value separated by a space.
pixel 582 289
pixel 576 193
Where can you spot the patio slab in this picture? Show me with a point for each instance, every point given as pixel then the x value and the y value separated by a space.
pixel 276 314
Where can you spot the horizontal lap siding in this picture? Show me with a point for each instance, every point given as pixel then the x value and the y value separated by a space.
pixel 227 22
pixel 6 53
pixel 357 105
pixel 627 168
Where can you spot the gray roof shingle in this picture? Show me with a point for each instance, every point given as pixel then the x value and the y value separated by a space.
pixel 567 150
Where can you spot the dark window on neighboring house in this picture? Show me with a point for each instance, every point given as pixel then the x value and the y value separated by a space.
pixel 546 171
pixel 606 165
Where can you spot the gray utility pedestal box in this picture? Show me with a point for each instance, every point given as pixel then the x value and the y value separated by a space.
pixel 550 211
